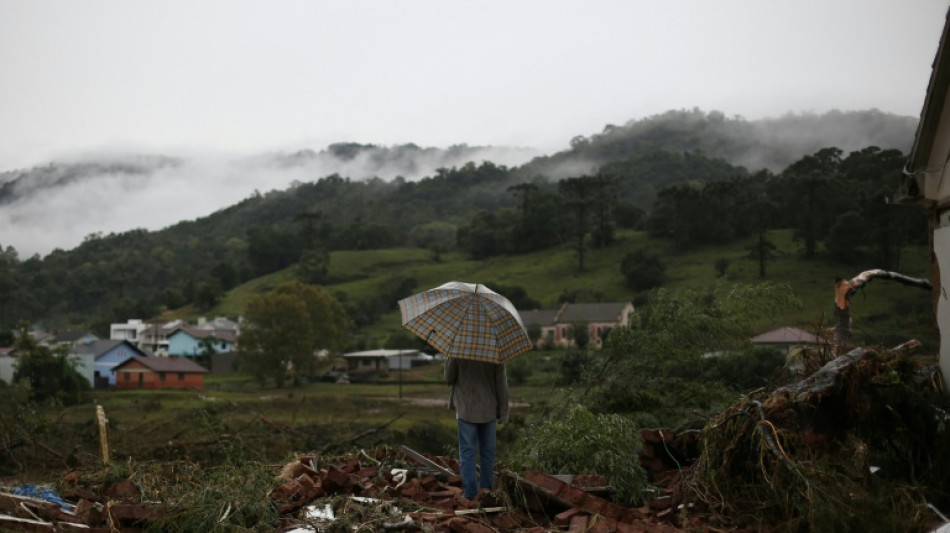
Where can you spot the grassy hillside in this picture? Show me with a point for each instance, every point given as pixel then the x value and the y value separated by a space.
pixel 884 312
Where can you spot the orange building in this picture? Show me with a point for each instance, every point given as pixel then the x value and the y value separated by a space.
pixel 159 373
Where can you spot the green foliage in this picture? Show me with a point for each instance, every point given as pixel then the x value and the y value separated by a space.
pixel 722 266
pixel 314 266
pixel 642 269
pixel 285 329
pixel 220 498
pixel 655 365
pixel 50 376
pixel 573 365
pixel 515 294
pixel 745 370
pixel 580 334
pixel 573 440
pixel 207 294
pixel 519 370
pixel 432 436
pixel 437 235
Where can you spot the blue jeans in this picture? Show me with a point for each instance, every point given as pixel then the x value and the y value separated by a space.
pixel 481 436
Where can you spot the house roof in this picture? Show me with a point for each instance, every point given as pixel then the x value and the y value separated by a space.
pixel 541 317
pixel 99 347
pixel 934 103
pixel 157 329
pixel 72 336
pixel 165 364
pixel 384 353
pixel 220 334
pixel 600 312
pixel 787 335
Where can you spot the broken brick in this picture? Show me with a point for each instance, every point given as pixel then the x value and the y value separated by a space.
pixel 578 523
pixel 564 518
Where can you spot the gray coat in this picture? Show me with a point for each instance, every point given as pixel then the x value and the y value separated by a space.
pixel 479 390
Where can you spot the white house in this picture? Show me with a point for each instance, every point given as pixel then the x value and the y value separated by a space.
pixel 926 183
pixel 130 331
pixel 377 360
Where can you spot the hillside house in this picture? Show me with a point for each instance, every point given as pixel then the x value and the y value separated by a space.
pixel 787 338
pixel 219 323
pixel 159 373
pixel 98 358
pixel 188 341
pixel 129 331
pixel 556 324
pixel 926 183
pixel 385 360
pixel 154 337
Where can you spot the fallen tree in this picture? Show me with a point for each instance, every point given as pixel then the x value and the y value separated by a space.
pixel 846 288
pixel 863 444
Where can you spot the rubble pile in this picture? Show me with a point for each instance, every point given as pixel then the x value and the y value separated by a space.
pixel 429 497
pixel 383 490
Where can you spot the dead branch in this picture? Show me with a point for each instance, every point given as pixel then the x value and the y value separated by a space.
pixel 358 436
pixel 845 289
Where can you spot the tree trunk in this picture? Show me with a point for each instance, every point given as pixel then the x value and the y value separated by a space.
pixel 845 289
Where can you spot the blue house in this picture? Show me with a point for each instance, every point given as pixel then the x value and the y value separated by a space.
pixel 97 359
pixel 187 341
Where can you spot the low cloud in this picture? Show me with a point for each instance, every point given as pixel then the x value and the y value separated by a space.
pixel 58 205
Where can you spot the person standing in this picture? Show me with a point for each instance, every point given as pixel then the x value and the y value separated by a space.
pixel 480 400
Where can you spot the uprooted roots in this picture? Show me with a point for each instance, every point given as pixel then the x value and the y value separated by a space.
pixel 863 447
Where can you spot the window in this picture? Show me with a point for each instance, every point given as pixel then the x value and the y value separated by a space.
pixel 128 376
pixel 161 377
pixel 181 376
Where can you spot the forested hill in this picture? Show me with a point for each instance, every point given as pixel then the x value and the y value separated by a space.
pixel 771 144
pixel 481 208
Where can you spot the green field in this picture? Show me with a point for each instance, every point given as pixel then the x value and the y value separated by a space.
pixel 884 312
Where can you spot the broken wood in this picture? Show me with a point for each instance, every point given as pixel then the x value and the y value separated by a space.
pixel 845 289
pixel 425 461
pixel 103 433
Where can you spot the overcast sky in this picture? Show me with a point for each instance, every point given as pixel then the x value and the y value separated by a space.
pixel 213 80
pixel 241 76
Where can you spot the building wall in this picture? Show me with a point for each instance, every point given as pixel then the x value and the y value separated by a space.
pixel 7 367
pixel 183 344
pixel 941 244
pixel 136 376
pixel 107 361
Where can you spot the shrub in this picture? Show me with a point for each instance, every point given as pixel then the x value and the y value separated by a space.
pixel 642 270
pixel 580 442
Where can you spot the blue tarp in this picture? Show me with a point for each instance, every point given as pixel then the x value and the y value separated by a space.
pixel 42 493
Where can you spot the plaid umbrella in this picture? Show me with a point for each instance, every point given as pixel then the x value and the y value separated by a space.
pixel 467 321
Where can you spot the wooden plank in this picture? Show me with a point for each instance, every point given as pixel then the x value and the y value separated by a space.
pixel 424 460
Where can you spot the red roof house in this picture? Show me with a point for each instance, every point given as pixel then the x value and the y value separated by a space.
pixel 159 373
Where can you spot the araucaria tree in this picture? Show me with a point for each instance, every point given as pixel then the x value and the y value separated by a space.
pixel 286 327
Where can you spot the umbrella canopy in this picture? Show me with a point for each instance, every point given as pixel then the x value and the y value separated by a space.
pixel 466 321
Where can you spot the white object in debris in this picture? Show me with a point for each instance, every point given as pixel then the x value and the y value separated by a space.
pixel 399 476
pixel 874 469
pixel 942 529
pixel 313 513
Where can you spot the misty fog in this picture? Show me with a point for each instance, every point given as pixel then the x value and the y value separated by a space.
pixel 58 205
